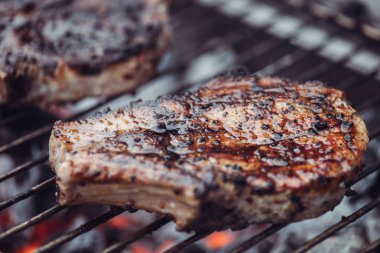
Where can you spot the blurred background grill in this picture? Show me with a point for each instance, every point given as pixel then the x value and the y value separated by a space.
pixel 300 40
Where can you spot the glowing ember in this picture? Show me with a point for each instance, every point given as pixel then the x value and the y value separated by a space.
pixel 219 240
pixel 119 222
pixel 40 235
pixel 30 248
pixel 164 246
pixel 6 220
pixel 138 248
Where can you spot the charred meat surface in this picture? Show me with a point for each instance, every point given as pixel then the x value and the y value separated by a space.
pixel 54 51
pixel 239 150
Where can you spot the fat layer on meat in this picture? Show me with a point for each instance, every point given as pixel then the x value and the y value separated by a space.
pixel 239 150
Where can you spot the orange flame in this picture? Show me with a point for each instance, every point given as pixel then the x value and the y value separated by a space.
pixel 219 240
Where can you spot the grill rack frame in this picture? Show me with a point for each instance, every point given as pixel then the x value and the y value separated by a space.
pixel 295 56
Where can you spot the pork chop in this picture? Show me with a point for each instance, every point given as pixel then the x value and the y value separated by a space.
pixel 55 51
pixel 239 150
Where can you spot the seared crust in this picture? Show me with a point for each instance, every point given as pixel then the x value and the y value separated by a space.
pixel 239 150
pixel 55 51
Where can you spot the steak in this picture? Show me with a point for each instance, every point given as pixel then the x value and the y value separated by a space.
pixel 57 51
pixel 241 149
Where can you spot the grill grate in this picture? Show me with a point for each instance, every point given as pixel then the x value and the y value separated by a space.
pixel 187 242
pixel 258 238
pixel 82 229
pixel 373 247
pixel 36 219
pixel 345 221
pixel 251 36
pixel 137 235
pixel 23 195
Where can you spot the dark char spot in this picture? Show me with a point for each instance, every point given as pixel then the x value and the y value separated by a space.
pixel 295 198
pixel 320 125
pixel 237 167
pixel 347 125
pixel 340 117
pixel 202 140
pixel 238 72
pixel 312 131
pixel 216 142
pixel 239 180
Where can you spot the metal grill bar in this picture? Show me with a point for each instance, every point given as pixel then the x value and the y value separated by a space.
pixel 276 66
pixel 257 238
pixel 11 119
pixel 369 169
pixel 80 230
pixel 373 247
pixel 323 67
pixel 260 49
pixel 23 167
pixel 257 49
pixel 36 219
pixel 345 221
pixel 351 82
pixel 286 61
pixel 43 130
pixel 180 246
pixel 367 103
pixel 117 247
pixel 23 195
pixel 374 133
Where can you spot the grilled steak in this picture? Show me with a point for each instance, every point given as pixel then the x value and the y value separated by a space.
pixel 54 51
pixel 239 150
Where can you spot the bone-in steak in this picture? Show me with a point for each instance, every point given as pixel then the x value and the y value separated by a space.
pixel 239 150
pixel 54 51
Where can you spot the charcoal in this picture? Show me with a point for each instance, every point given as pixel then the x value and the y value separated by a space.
pixel 349 240
pixel 92 241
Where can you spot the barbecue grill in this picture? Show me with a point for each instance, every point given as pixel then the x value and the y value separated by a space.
pixel 300 40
